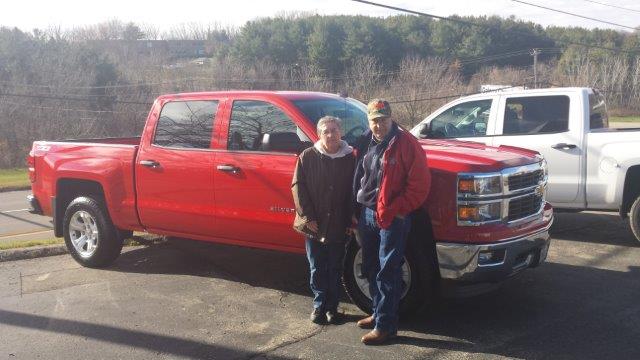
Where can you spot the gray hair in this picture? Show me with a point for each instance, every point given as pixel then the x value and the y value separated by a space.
pixel 328 119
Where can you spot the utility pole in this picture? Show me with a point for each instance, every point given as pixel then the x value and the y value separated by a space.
pixel 534 53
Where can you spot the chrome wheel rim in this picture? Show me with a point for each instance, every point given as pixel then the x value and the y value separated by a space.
pixel 363 282
pixel 83 232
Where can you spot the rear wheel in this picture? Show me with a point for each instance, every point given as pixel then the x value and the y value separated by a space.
pixel 418 276
pixel 89 234
pixel 634 218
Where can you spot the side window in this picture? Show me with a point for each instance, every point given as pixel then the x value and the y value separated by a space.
pixel 462 120
pixel 252 119
pixel 536 115
pixel 186 124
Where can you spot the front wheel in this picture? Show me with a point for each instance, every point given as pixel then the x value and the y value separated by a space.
pixel 634 218
pixel 89 234
pixel 417 276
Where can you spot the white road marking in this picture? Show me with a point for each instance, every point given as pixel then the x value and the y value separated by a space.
pixel 24 234
pixel 12 211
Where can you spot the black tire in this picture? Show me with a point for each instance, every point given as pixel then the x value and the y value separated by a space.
pixel 107 241
pixel 634 218
pixel 421 287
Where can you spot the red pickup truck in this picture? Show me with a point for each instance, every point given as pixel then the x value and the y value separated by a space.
pixel 217 166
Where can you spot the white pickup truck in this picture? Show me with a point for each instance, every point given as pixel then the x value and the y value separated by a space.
pixel 591 166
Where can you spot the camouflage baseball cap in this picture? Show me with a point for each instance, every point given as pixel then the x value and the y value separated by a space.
pixel 378 108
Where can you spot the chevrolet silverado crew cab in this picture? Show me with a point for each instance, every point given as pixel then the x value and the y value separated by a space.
pixel 591 166
pixel 217 167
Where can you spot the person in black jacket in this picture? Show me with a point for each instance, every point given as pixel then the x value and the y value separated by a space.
pixel 322 194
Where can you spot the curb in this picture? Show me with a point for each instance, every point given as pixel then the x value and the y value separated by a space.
pixel 15 188
pixel 60 249
pixel 32 252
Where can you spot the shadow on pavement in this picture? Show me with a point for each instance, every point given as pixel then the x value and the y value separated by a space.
pixel 262 268
pixel 160 344
pixel 556 310
pixel 601 228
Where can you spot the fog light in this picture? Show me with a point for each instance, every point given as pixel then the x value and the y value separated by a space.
pixel 491 257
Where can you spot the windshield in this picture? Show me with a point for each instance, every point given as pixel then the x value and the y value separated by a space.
pixel 461 120
pixel 352 113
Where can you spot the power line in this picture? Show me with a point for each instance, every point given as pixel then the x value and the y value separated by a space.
pixel 632 51
pixel 47 97
pixel 613 6
pixel 452 96
pixel 201 79
pixel 573 14
pixel 81 110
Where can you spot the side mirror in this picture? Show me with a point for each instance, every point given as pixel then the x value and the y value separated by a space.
pixel 425 130
pixel 283 142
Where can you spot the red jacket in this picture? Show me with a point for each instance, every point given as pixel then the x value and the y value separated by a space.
pixel 406 179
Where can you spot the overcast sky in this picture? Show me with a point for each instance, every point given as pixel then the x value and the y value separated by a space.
pixel 30 14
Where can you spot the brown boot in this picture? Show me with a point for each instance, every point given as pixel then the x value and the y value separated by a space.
pixel 366 323
pixel 377 337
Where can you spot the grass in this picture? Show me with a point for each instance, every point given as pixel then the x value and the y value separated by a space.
pixel 30 243
pixel 14 178
pixel 624 119
pixel 146 239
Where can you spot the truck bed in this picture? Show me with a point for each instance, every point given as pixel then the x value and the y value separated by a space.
pixel 108 163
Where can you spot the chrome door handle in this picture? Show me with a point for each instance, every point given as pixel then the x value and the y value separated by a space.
pixel 228 168
pixel 564 146
pixel 150 163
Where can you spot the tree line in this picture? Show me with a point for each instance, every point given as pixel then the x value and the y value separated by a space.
pixel 86 82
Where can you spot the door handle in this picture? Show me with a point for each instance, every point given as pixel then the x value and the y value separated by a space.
pixel 150 163
pixel 228 168
pixel 564 146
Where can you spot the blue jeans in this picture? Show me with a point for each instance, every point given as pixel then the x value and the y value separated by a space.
pixel 382 260
pixel 325 263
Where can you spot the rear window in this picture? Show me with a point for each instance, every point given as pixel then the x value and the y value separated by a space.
pixel 536 115
pixel 186 124
pixel 598 117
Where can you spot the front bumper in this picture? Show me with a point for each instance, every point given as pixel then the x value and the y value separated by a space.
pixel 491 263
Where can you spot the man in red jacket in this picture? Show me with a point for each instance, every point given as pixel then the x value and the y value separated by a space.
pixel 391 181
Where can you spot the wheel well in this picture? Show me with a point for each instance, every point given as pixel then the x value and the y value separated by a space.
pixel 422 233
pixel 69 189
pixel 631 189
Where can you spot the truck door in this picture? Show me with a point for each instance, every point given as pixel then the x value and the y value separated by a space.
pixel 545 123
pixel 253 196
pixel 174 170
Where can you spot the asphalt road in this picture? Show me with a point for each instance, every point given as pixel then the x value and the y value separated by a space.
pixel 16 223
pixel 195 300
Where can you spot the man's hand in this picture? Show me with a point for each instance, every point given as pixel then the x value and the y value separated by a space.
pixel 313 226
pixel 354 220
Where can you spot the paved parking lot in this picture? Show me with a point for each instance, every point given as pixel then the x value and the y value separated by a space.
pixel 188 300
pixel 17 224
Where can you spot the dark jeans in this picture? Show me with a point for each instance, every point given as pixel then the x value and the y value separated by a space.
pixel 382 260
pixel 325 263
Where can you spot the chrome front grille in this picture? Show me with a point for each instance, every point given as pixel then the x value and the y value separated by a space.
pixel 522 194
pixel 525 180
pixel 524 206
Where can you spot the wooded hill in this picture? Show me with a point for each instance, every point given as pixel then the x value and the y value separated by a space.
pixel 100 80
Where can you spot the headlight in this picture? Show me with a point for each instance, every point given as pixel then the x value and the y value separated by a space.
pixel 480 212
pixel 485 185
pixel 545 167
